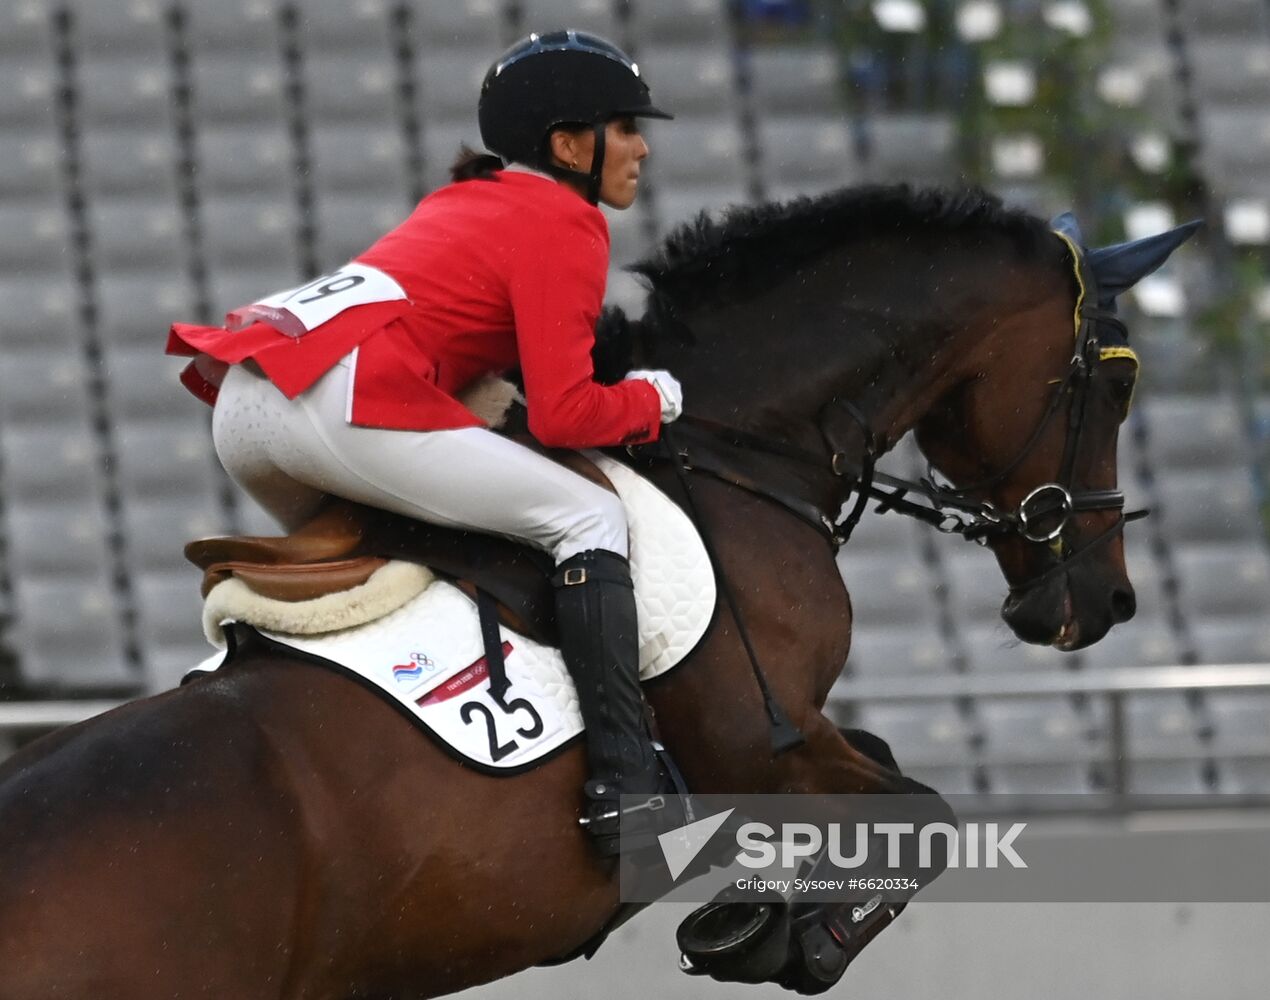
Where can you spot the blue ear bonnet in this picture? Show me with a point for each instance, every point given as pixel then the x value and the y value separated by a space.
pixel 1118 268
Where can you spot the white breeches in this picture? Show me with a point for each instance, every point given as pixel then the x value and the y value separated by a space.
pixel 288 454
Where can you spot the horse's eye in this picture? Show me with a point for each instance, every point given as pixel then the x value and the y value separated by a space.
pixel 1121 390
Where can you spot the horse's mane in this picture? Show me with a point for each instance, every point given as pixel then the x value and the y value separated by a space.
pixel 750 248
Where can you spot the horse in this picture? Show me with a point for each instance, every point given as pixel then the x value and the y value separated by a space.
pixel 274 831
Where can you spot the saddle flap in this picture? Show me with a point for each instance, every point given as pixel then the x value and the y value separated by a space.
pixel 335 532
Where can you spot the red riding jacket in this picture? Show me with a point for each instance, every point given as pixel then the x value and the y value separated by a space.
pixel 496 273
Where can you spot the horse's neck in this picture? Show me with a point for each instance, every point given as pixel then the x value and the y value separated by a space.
pixel 849 327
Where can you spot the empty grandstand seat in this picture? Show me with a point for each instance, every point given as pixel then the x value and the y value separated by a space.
pixel 898 650
pixel 241 230
pixel 1241 640
pixel 28 89
pixel 250 161
pixel 234 25
pixel 691 80
pixel 1200 506
pixel 1166 777
pixel 25 27
pixel 48 538
pixel 1148 642
pixel 1241 722
pixel 1068 777
pixel 156 530
pixel 168 625
pixel 995 649
pixel 158 459
pixel 1198 432
pixel 347 224
pixel 123 161
pixel 449 85
pixel 976 588
pixel 1230 71
pixel 886 590
pixel 920 732
pixel 1236 141
pixel 118 26
pixel 1036 728
pixel 1244 776
pixel 654 22
pixel 41 311
pixel 143 385
pixel 124 90
pixel 350 88
pixel 806 156
pixel 31 163
pixel 129 234
pixel 51 461
pixel 137 308
pixel 232 287
pixel 1231 18
pixel 1158 724
pixel 34 236
pixel 955 780
pixel 237 88
pixel 323 27
pixel 596 16
pixel 697 151
pixel 70 633
pixel 44 388
pixel 912 147
pixel 795 80
pixel 474 24
pixel 1227 580
pixel 362 158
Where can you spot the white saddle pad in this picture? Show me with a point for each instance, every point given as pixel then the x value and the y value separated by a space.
pixel 427 656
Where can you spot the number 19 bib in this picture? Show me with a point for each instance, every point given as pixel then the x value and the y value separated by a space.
pixel 297 311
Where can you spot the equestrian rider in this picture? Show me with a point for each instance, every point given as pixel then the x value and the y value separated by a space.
pixel 349 386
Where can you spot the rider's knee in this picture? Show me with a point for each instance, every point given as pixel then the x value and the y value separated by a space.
pixel 601 524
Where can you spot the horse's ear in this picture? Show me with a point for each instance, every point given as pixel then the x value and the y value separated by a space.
pixel 1120 267
pixel 1069 227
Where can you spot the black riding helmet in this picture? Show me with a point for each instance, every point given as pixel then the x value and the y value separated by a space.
pixel 559 78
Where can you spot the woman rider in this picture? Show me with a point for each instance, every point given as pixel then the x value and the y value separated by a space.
pixel 348 386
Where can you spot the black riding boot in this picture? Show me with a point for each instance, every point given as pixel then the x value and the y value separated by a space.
pixel 595 610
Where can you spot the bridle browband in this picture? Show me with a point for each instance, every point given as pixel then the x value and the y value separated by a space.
pixel 1040 518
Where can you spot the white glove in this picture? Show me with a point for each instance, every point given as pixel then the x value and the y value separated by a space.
pixel 668 388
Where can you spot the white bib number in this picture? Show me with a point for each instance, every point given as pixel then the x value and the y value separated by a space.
pixel 296 311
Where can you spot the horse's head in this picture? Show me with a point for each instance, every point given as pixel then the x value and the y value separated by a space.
pixel 1031 434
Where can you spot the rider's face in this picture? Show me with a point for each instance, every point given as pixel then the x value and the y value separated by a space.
pixel 624 153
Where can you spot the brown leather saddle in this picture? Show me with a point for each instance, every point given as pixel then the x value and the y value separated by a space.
pixel 344 543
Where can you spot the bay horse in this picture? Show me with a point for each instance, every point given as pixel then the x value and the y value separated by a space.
pixel 274 831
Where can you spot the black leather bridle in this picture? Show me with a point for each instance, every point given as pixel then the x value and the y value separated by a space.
pixel 1040 518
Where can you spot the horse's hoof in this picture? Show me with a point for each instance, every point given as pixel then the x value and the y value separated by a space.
pixel 734 941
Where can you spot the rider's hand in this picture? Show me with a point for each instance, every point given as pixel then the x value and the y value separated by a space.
pixel 668 388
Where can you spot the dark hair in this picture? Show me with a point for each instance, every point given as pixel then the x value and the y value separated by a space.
pixel 470 165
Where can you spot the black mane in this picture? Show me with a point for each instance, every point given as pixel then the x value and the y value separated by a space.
pixel 749 248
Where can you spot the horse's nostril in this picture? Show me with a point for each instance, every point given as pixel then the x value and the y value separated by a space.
pixel 1123 605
